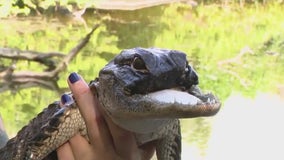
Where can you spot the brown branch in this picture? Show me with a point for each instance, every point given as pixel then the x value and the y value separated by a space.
pixel 73 52
pixel 22 83
pixel 237 59
pixel 242 81
pixel 224 65
pixel 39 57
pixel 134 5
pixel 47 79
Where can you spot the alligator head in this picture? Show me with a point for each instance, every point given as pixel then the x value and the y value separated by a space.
pixel 142 89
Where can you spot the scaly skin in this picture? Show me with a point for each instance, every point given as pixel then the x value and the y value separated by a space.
pixel 131 88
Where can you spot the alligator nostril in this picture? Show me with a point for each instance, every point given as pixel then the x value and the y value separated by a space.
pixel 193 77
pixel 190 76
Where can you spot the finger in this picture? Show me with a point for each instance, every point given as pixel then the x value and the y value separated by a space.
pixel 126 145
pixel 65 98
pixel 88 105
pixel 124 141
pixel 79 146
pixel 82 149
pixel 148 150
pixel 65 152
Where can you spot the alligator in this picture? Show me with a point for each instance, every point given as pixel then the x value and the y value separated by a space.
pixel 143 90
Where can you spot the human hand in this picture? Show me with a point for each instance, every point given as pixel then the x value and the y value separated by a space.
pixel 106 140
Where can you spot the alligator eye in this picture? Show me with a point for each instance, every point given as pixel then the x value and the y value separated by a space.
pixel 139 65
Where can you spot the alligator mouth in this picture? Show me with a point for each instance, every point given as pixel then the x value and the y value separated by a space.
pixel 185 103
pixel 158 107
pixel 148 112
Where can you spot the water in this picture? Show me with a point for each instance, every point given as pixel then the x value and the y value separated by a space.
pixel 206 40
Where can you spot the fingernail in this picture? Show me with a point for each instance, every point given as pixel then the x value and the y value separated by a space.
pixel 65 98
pixel 73 77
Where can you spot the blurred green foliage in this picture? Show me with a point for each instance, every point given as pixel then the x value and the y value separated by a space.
pixel 233 48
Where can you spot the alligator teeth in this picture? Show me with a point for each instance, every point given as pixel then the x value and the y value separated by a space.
pixel 174 96
pixel 209 100
pixel 194 90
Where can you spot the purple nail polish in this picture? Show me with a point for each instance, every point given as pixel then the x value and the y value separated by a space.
pixel 73 77
pixel 65 98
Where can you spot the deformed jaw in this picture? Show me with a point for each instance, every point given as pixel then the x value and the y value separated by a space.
pixel 147 113
pixel 193 96
pixel 164 104
pixel 183 104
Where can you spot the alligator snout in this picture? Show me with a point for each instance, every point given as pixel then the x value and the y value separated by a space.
pixel 193 77
pixel 188 78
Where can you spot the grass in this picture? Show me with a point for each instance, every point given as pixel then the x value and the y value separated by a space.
pixel 218 34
